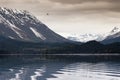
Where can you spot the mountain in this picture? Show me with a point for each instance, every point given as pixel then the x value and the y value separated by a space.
pixel 91 47
pixel 86 37
pixel 115 30
pixel 23 26
pixel 106 38
pixel 97 47
pixel 113 36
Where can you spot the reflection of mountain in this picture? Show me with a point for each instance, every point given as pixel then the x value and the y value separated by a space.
pixel 59 70
pixel 31 70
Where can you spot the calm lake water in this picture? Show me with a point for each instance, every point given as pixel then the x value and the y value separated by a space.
pixel 54 69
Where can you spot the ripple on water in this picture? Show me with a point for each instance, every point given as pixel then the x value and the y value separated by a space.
pixel 38 73
pixel 63 71
pixel 87 71
pixel 18 74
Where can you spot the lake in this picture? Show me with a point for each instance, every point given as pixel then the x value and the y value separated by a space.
pixel 60 68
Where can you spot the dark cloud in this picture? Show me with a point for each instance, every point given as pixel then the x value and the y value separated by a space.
pixel 89 6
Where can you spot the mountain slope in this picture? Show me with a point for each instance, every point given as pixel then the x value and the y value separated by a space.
pixel 23 26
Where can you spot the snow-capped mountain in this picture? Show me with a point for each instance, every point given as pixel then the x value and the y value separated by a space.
pixel 86 37
pixel 114 33
pixel 115 30
pixel 23 26
pixel 113 36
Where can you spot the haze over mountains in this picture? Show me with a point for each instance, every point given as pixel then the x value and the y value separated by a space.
pixel 23 26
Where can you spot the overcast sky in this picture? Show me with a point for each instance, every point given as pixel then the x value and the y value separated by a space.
pixel 72 16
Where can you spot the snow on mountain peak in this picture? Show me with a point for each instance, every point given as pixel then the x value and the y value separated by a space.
pixel 20 16
pixel 85 37
pixel 114 33
pixel 115 30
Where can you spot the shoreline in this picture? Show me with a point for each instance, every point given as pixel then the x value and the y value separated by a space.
pixel 79 54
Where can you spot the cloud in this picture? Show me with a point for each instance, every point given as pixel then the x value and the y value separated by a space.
pixel 83 1
pixel 89 5
pixel 64 6
pixel 34 6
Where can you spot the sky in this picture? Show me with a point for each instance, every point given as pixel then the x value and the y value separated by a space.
pixel 72 16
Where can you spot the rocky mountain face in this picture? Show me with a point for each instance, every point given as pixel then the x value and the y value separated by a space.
pixel 23 26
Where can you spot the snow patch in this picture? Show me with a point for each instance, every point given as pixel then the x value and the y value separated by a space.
pixel 37 34
pixel 17 33
pixel 13 27
pixel 11 37
pixel 114 31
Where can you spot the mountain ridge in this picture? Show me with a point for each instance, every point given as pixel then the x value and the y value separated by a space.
pixel 114 33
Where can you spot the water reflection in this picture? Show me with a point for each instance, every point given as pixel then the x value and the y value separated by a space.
pixel 88 71
pixel 59 70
